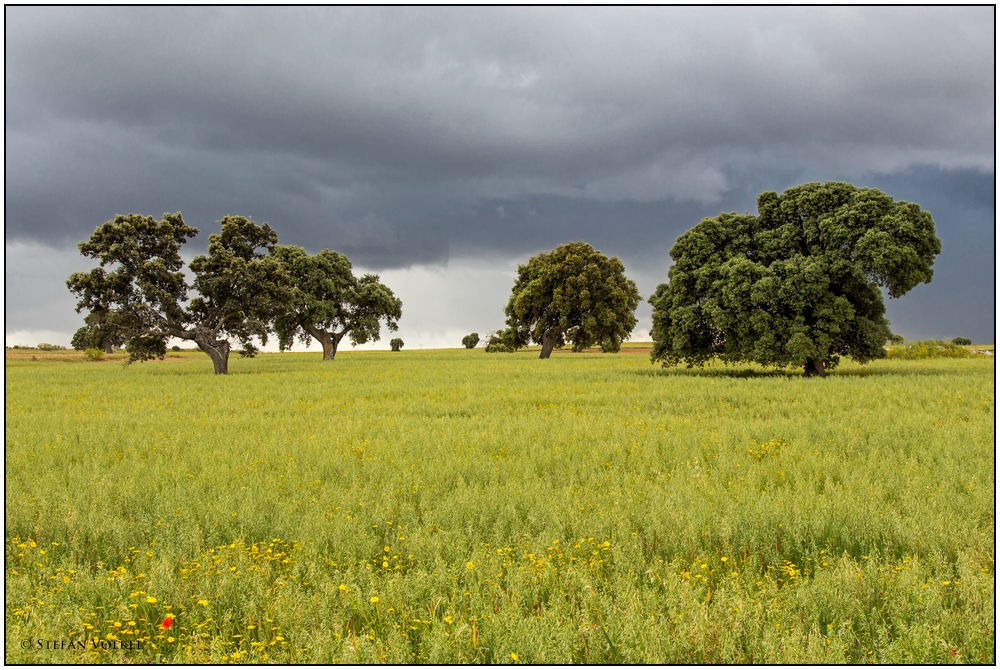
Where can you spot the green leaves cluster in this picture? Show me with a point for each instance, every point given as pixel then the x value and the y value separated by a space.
pixel 798 284
pixel 328 302
pixel 140 281
pixel 572 294
pixel 246 287
pixel 101 331
pixel 240 286
pixel 499 342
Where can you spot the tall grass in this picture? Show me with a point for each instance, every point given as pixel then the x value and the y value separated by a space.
pixel 456 506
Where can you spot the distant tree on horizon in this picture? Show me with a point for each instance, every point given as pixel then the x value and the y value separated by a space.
pixel 99 332
pixel 328 302
pixel 573 293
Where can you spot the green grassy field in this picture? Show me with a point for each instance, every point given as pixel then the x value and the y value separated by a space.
pixel 456 506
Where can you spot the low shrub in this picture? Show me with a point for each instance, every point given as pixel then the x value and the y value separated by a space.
pixel 94 354
pixel 499 342
pixel 45 346
pixel 928 349
pixel 962 341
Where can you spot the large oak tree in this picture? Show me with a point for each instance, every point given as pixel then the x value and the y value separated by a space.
pixel 141 281
pixel 328 302
pixel 798 284
pixel 573 293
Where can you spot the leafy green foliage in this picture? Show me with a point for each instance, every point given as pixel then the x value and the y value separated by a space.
pixel 328 302
pixel 102 331
pixel 94 354
pixel 798 284
pixel 500 342
pixel 241 287
pixel 140 278
pixel 962 341
pixel 470 341
pixel 45 346
pixel 611 346
pixel 395 344
pixel 895 339
pixel 84 338
pixel 572 286
pixel 140 281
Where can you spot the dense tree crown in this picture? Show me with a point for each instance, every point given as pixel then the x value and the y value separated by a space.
pixel 100 332
pixel 573 293
pixel 328 302
pixel 470 341
pixel 798 284
pixel 140 281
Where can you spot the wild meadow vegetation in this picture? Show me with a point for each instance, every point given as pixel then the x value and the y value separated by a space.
pixel 452 506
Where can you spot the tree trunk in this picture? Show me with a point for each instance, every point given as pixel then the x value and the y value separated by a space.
pixel 217 350
pixel 336 343
pixel 329 341
pixel 548 342
pixel 107 347
pixel 814 368
pixel 325 341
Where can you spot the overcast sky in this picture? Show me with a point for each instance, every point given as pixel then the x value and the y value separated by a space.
pixel 442 147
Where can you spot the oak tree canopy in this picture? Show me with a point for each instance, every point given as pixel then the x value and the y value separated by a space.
pixel 573 293
pixel 141 282
pixel 798 284
pixel 328 302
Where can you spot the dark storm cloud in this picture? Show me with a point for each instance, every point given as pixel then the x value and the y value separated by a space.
pixel 409 136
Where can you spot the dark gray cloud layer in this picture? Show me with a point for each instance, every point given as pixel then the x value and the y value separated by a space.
pixel 412 136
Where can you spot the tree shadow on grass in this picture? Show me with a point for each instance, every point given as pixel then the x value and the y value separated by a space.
pixel 730 373
pixel 782 373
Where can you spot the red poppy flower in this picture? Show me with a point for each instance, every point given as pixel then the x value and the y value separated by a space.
pixel 168 621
